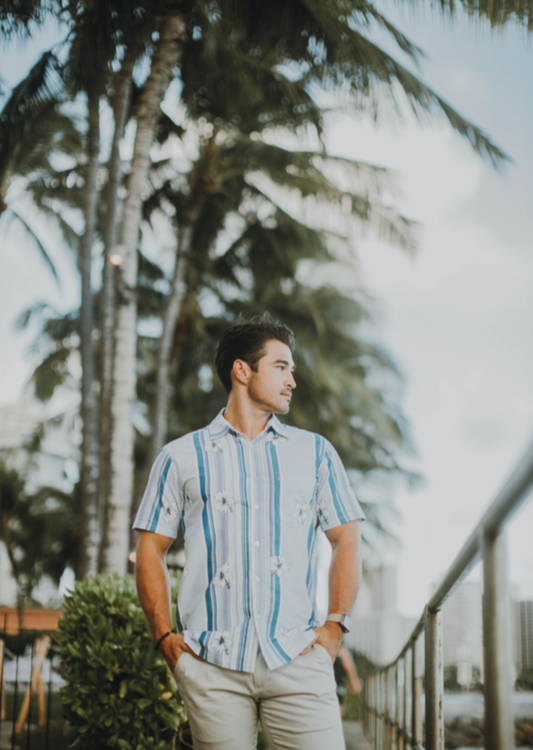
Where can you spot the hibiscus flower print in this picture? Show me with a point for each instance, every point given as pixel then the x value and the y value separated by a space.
pixel 221 643
pixel 278 565
pixel 170 508
pixel 224 501
pixel 223 577
pixel 301 512
pixel 283 635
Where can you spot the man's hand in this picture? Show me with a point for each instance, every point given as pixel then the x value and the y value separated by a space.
pixel 173 648
pixel 329 636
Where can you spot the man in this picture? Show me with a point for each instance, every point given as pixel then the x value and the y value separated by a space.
pixel 248 492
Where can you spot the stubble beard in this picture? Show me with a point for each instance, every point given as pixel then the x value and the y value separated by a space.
pixel 268 404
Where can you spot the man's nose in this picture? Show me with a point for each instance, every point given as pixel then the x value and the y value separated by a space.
pixel 291 382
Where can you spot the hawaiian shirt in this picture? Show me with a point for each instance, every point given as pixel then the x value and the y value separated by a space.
pixel 250 511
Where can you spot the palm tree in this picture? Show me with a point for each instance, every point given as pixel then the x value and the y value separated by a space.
pixel 19 16
pixel 33 131
pixel 233 48
pixel 93 46
pixel 235 165
pixel 166 56
pixel 305 48
pixel 122 85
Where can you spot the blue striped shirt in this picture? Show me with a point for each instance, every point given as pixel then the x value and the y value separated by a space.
pixel 248 510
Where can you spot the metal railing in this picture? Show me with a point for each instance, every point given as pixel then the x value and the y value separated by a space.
pixel 22 684
pixel 392 696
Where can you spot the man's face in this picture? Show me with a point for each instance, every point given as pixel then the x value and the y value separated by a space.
pixel 271 386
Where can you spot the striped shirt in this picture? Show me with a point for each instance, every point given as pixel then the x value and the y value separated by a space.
pixel 248 509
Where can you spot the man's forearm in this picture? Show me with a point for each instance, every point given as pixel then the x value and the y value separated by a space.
pixel 153 587
pixel 344 575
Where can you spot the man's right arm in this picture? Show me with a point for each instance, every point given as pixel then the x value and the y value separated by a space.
pixel 153 587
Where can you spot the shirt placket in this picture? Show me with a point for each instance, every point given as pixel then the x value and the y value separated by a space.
pixel 256 540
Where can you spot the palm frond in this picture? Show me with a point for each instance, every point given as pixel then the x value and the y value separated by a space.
pixel 18 16
pixel 41 88
pixel 13 214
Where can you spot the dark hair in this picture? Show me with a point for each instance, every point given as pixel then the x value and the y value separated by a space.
pixel 246 340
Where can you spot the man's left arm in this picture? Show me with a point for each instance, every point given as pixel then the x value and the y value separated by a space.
pixel 344 578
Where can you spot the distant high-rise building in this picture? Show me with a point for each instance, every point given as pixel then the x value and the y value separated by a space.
pixel 379 630
pixel 462 626
pixel 523 635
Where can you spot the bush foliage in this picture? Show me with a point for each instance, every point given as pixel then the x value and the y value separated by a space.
pixel 119 692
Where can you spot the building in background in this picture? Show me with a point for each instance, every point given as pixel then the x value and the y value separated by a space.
pixel 523 635
pixel 462 626
pixel 379 631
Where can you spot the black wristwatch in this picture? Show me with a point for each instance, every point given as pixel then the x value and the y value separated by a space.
pixel 344 621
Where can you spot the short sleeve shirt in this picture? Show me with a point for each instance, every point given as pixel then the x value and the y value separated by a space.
pixel 249 512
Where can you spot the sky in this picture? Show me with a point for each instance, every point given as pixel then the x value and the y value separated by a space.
pixel 458 317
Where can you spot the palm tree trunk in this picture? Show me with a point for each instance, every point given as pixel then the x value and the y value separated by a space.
pixel 123 87
pixel 171 315
pixel 89 408
pixel 165 57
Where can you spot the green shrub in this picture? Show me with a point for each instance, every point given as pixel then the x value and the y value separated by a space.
pixel 119 691
pixel 351 707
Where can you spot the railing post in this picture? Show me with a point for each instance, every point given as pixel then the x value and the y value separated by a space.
pixel 499 722
pixel 408 692
pixel 386 709
pixel 378 712
pixel 374 709
pixel 434 681
pixel 416 677
pixel 397 712
pixel 390 705
pixel 401 707
pixel 392 688
pixel 381 741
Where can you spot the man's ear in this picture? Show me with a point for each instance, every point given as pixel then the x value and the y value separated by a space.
pixel 241 371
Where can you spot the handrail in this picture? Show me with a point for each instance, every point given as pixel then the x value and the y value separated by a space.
pixel 386 691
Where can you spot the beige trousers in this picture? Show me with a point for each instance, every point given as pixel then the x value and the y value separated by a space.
pixel 296 704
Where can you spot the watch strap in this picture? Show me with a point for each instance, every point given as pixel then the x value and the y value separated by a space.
pixel 344 621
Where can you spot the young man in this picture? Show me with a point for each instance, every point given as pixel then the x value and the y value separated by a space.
pixel 248 492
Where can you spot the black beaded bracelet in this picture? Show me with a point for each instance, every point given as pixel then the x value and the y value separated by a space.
pixel 160 641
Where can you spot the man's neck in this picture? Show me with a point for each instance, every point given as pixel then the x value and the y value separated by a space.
pixel 245 417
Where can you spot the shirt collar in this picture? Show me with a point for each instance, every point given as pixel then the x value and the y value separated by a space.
pixel 220 426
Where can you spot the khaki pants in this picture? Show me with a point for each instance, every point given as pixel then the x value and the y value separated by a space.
pixel 296 704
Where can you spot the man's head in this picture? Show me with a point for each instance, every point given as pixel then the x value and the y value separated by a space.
pixel 257 355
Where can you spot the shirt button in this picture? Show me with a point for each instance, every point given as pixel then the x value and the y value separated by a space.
pixel 257 579
pixel 257 544
pixel 256 506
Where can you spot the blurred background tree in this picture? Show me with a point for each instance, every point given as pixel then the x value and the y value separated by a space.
pixel 257 221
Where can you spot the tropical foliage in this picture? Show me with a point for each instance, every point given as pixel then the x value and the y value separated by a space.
pixel 229 166
pixel 38 530
pixel 119 692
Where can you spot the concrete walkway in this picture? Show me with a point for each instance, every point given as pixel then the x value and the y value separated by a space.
pixel 355 739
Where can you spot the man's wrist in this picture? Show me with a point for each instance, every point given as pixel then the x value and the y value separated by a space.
pixel 162 638
pixel 334 627
pixel 343 621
